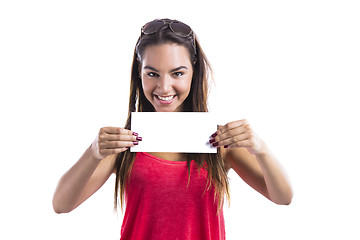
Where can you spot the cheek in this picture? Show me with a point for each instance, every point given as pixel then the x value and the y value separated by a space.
pixel 148 86
pixel 184 86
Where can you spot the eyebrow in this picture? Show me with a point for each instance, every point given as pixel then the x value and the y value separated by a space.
pixel 173 70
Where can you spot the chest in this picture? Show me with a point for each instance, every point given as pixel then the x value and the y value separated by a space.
pixel 169 156
pixel 165 177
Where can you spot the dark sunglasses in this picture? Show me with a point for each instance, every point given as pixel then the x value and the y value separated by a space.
pixel 177 27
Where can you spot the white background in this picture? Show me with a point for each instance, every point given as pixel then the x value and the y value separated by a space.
pixel 289 67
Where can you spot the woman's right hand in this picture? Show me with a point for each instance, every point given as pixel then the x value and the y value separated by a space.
pixel 113 140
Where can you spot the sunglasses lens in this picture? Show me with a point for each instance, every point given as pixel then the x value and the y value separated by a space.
pixel 180 29
pixel 152 27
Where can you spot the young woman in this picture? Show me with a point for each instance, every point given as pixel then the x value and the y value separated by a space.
pixel 171 195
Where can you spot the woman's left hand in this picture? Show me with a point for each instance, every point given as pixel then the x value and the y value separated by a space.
pixel 237 134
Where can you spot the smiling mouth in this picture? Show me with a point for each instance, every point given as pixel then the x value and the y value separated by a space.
pixel 165 99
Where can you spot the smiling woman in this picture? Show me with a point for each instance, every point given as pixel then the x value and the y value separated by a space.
pixel 170 72
pixel 166 73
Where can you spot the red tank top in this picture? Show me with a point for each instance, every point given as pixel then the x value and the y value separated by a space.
pixel 160 206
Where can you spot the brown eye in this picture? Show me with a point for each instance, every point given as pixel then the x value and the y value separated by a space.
pixel 152 74
pixel 178 74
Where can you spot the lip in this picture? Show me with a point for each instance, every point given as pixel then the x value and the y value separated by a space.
pixel 165 101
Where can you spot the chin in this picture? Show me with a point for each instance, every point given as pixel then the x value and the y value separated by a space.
pixel 166 109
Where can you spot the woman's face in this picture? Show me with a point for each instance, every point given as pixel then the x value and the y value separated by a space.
pixel 166 73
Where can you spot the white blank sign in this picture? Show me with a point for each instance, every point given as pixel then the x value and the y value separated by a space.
pixel 173 131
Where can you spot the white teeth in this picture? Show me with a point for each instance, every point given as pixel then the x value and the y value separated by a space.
pixel 166 98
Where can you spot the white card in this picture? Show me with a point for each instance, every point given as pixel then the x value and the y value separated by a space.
pixel 173 131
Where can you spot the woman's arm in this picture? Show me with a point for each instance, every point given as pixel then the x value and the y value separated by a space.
pixel 262 172
pixel 81 181
pixel 251 159
pixel 93 168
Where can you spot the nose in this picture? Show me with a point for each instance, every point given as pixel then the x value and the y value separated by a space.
pixel 165 84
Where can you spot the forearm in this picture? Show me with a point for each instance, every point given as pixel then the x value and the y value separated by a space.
pixel 278 186
pixel 73 182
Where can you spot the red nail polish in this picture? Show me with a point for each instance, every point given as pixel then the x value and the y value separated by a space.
pixel 215 144
pixel 214 135
pixel 226 146
pixel 135 134
pixel 212 140
pixel 139 138
pixel 136 143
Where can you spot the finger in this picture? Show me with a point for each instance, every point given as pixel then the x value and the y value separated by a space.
pixel 117 144
pixel 117 137
pixel 229 126
pixel 231 135
pixel 232 125
pixel 116 130
pixel 233 139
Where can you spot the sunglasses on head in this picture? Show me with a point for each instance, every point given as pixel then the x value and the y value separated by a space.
pixel 177 27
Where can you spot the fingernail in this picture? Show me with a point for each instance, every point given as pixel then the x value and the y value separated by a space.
pixel 215 144
pixel 214 135
pixel 212 140
pixel 226 146
pixel 139 138
pixel 135 134
pixel 136 143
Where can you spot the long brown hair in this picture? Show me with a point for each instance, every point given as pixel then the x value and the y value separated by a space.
pixel 195 102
